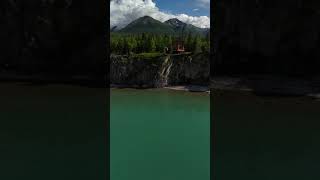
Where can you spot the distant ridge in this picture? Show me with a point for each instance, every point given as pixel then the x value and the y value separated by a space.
pixel 147 24
pixel 113 29
pixel 183 28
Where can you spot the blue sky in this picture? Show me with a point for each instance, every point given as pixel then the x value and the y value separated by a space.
pixel 195 12
pixel 189 7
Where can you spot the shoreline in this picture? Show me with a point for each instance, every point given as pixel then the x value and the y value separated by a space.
pixel 256 84
pixel 189 88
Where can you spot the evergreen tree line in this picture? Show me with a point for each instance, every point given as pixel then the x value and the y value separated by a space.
pixel 148 43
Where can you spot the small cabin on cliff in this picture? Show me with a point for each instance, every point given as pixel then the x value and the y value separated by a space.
pixel 178 46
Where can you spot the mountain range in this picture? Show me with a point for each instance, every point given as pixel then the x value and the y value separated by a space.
pixel 147 24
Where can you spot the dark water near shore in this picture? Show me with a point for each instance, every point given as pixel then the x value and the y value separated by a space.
pixel 51 132
pixel 266 137
pixel 160 135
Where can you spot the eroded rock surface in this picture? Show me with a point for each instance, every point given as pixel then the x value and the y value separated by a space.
pixel 161 71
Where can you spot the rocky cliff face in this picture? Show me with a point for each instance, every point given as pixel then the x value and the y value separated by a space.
pixel 193 70
pixel 268 37
pixel 57 36
pixel 160 71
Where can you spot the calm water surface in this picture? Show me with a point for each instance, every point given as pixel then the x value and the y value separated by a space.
pixel 58 132
pixel 51 132
pixel 159 135
pixel 266 138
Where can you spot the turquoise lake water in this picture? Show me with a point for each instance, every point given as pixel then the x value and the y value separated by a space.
pixel 159 134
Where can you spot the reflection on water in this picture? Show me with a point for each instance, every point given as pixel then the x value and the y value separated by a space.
pixel 266 137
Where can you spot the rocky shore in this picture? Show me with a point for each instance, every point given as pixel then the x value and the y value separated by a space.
pixel 190 88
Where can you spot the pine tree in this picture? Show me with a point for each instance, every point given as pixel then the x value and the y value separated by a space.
pixel 152 45
pixel 119 46
pixel 129 45
pixel 134 44
pixel 188 44
pixel 158 42
pixel 145 44
pixel 196 45
pixel 125 46
pixel 169 45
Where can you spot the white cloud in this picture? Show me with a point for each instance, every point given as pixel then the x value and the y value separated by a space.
pixel 122 12
pixel 195 10
pixel 203 3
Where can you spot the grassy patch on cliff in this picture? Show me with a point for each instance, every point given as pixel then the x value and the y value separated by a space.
pixel 147 55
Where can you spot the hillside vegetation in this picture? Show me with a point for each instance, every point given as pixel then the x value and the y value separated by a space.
pixel 152 43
